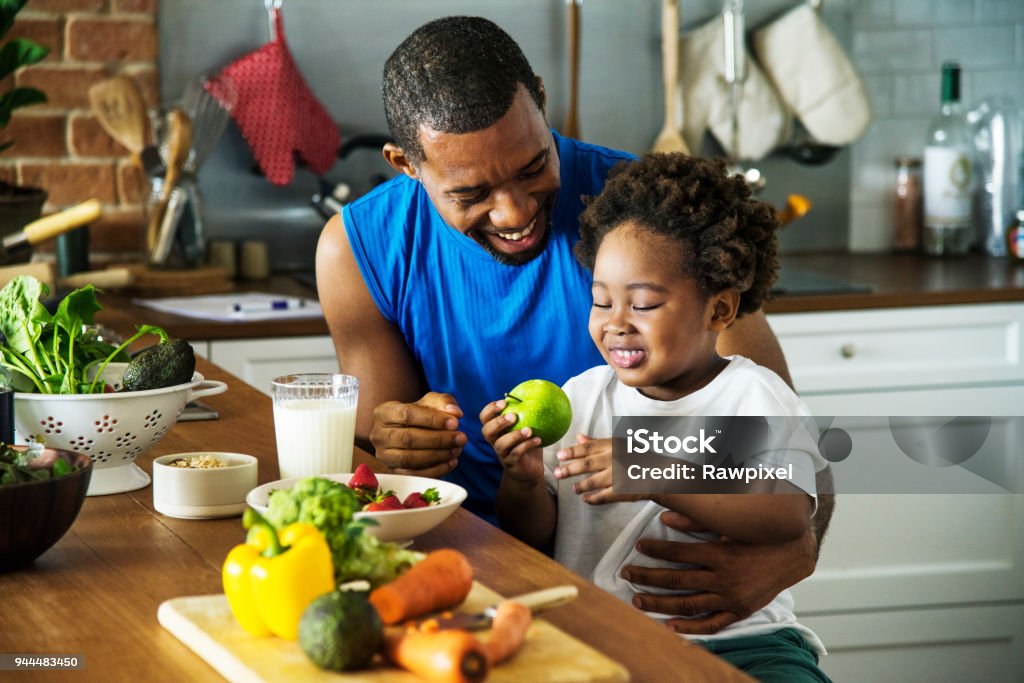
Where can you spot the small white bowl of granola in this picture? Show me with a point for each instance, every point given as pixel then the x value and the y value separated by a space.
pixel 203 485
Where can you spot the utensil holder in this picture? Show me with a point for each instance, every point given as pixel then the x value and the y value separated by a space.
pixel 185 241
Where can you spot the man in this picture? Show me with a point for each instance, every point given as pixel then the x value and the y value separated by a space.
pixel 450 284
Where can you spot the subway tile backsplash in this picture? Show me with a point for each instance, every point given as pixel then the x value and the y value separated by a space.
pixel 899 47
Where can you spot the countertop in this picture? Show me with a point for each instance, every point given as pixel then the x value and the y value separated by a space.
pixel 96 592
pixel 897 280
pixel 890 280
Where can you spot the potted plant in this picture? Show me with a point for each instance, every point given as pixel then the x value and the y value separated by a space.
pixel 18 205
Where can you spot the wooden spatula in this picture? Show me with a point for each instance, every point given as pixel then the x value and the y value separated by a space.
pixel 119 107
pixel 571 128
pixel 670 139
pixel 179 142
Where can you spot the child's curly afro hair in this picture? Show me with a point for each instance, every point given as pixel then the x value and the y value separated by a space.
pixel 728 238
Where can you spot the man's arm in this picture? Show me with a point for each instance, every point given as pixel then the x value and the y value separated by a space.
pixel 826 505
pixel 408 431
pixel 751 336
pixel 367 345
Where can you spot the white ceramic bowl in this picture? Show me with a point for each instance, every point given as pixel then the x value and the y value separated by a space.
pixel 396 526
pixel 203 493
pixel 112 429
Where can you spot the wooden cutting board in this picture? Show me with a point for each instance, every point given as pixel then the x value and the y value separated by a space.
pixel 204 623
pixel 148 281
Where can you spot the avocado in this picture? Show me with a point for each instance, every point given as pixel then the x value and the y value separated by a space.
pixel 341 631
pixel 160 366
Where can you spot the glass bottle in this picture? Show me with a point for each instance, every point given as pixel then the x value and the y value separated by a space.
pixel 906 232
pixel 948 174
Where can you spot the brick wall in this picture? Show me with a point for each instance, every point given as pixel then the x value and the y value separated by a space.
pixel 60 146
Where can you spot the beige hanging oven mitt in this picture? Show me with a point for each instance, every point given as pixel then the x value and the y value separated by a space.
pixel 706 97
pixel 814 77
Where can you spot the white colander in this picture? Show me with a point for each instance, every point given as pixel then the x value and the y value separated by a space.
pixel 112 429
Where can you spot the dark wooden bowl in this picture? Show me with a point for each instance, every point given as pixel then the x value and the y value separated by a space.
pixel 34 515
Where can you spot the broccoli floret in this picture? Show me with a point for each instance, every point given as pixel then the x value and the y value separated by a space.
pixel 330 506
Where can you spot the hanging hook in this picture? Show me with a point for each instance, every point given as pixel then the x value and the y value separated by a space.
pixel 273 7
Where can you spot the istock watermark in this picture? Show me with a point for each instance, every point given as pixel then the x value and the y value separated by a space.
pixel 865 454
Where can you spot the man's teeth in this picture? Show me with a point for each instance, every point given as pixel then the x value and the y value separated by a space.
pixel 625 354
pixel 516 236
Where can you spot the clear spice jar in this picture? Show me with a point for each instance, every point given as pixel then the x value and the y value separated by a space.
pixel 907 205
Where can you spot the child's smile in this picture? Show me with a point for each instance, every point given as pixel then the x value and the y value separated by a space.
pixel 625 357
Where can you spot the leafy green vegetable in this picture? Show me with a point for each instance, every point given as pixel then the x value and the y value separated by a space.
pixel 19 466
pixel 330 506
pixel 55 353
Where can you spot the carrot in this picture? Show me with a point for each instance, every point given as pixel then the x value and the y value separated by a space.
pixel 508 631
pixel 440 657
pixel 441 580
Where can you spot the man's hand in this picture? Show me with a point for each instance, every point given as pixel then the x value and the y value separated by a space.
pixel 734 579
pixel 420 438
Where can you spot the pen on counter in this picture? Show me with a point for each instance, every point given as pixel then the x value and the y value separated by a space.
pixel 266 306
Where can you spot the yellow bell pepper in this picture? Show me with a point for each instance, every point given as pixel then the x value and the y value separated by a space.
pixel 271 579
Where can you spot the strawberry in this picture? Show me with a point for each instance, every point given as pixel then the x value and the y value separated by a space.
pixel 363 479
pixel 390 502
pixel 422 500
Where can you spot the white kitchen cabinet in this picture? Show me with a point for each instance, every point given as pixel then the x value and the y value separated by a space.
pixel 258 361
pixel 917 587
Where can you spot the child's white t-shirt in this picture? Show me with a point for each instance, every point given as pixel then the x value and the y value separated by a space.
pixel 596 541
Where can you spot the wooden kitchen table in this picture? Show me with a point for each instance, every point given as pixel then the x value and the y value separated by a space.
pixel 95 593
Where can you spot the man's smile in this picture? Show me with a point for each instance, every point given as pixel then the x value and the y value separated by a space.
pixel 516 236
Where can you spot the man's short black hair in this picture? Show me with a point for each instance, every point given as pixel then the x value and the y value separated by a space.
pixel 454 75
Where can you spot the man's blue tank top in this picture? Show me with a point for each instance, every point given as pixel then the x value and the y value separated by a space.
pixel 478 327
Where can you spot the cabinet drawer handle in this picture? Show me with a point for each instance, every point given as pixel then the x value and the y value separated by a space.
pixel 847 350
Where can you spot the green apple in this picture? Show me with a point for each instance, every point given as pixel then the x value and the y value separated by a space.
pixel 543 407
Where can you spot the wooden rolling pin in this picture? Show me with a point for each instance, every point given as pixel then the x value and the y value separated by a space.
pixel 48 227
pixel 111 278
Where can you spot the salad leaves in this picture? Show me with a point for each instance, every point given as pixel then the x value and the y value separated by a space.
pixel 19 466
pixel 57 354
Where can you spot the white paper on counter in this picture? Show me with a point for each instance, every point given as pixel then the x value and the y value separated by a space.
pixel 222 306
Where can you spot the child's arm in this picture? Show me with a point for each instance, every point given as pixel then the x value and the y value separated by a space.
pixel 524 506
pixel 747 517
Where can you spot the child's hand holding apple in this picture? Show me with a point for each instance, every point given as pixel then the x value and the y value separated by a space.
pixel 536 413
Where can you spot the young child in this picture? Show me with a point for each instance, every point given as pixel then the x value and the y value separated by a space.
pixel 678 250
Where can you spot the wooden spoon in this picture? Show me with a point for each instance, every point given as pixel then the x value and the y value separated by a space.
pixel 179 142
pixel 119 107
pixel 670 139
pixel 571 128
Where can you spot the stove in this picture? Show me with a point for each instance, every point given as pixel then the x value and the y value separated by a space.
pixel 802 282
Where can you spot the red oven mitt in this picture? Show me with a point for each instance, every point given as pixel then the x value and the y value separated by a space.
pixel 277 113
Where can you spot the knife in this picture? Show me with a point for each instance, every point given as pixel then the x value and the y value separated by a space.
pixel 536 601
pixel 48 227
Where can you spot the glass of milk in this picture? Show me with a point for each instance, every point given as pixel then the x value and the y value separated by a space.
pixel 315 423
